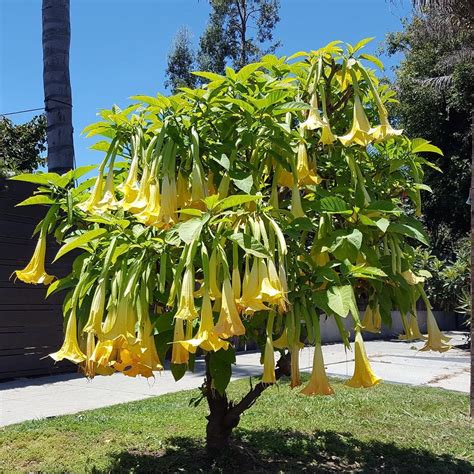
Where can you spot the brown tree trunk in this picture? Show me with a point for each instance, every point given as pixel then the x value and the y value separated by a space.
pixel 57 85
pixel 472 263
pixel 224 415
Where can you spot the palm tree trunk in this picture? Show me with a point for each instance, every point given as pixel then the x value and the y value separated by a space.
pixel 57 85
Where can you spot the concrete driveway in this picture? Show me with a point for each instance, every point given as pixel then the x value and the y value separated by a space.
pixel 393 361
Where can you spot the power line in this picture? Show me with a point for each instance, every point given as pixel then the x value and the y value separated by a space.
pixel 34 110
pixel 21 111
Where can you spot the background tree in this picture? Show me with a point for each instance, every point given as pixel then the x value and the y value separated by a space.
pixel 446 29
pixel 237 33
pixel 21 146
pixel 180 62
pixel 57 85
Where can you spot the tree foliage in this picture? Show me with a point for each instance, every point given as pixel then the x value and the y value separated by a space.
pixel 237 33
pixel 180 62
pixel 243 210
pixel 434 89
pixel 21 146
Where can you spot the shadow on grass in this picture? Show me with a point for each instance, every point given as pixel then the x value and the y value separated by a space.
pixel 289 451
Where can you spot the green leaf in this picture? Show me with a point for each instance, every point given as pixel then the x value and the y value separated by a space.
pixel 250 245
pixel 220 367
pixel 190 230
pixel 362 43
pixel 332 205
pixel 410 230
pixel 38 199
pixel 373 60
pixel 247 71
pixel 346 245
pixel 420 145
pixel 244 184
pixel 211 76
pixel 236 200
pixel 79 241
pixel 382 206
pixel 340 299
pixel 178 371
pixel 39 178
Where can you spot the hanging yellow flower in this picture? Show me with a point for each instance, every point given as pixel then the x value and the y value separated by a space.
pixel 140 202
pixel 269 376
pixel 314 120
pixel 179 354
pixel 94 323
pixel 229 323
pixel 206 337
pixel 363 375
pixel 108 201
pixel 90 204
pixel 361 131
pixel 252 298
pixel 169 203
pixel 186 308
pixel 436 340
pixel 296 207
pixel 35 272
pixel 70 349
pixel 151 214
pixel 130 186
pixel 372 321
pixel 318 383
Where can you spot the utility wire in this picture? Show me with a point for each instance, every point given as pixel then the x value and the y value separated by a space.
pixel 34 110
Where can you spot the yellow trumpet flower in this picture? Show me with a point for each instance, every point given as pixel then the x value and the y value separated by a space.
pixel 35 272
pixel 150 356
pixel 183 194
pixel 327 137
pixel 372 321
pixel 384 130
pixel 412 330
pixel 108 200
pixel 94 323
pixel 314 120
pixel 90 204
pixel 140 202
pixel 252 298
pixel 120 321
pixel 229 323
pixel 151 214
pixel 179 354
pixel 269 355
pixel 272 288
pixel 363 375
pixel 305 174
pixel 436 340
pixel 70 349
pixel 296 207
pixel 361 131
pixel 236 284
pixel 130 186
pixel 206 337
pixel 318 383
pixel 169 204
pixel 186 308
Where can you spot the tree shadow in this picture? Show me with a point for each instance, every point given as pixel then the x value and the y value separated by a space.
pixel 289 451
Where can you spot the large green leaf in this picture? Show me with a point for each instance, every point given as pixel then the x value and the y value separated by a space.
pixel 79 241
pixel 38 199
pixel 236 200
pixel 420 145
pixel 220 367
pixel 250 245
pixel 340 299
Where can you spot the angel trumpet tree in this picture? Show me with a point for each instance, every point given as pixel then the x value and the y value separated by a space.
pixel 219 215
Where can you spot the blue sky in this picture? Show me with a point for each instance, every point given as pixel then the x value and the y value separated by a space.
pixel 119 47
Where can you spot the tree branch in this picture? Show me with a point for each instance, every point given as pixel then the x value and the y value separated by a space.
pixel 233 415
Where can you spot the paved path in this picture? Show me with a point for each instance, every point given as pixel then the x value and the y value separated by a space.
pixel 393 361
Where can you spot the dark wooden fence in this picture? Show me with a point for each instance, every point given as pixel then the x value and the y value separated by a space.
pixel 30 326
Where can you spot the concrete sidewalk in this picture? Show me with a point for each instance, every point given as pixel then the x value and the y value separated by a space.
pixel 393 361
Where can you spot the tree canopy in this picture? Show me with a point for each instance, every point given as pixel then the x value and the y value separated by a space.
pixel 21 146
pixel 244 210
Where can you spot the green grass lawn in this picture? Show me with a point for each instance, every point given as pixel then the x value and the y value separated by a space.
pixel 388 428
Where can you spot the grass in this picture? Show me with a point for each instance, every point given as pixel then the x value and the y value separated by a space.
pixel 389 428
